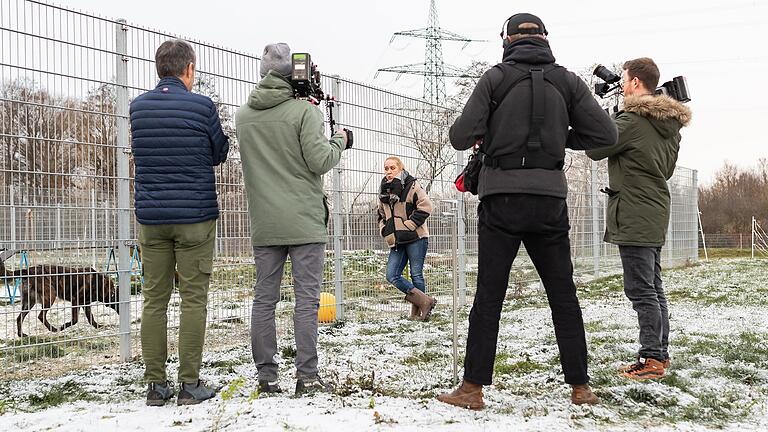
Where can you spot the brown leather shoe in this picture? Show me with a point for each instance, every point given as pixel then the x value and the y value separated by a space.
pixel 581 394
pixel 667 363
pixel 468 395
pixel 645 369
pixel 424 302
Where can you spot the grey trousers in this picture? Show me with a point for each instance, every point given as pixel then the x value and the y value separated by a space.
pixel 307 270
pixel 643 287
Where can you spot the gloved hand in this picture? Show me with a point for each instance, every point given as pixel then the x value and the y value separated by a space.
pixel 349 138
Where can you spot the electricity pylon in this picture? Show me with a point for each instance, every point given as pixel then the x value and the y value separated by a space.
pixel 434 70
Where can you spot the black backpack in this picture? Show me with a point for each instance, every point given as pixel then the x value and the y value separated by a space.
pixel 531 155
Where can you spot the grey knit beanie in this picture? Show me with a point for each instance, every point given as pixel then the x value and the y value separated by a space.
pixel 277 57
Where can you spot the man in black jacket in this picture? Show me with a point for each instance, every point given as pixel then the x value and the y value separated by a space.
pixel 519 114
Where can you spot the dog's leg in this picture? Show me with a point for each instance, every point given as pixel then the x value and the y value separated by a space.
pixel 19 321
pixel 47 302
pixel 89 317
pixel 25 307
pixel 43 317
pixel 75 317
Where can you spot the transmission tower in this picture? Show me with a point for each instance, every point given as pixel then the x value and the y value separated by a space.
pixel 434 70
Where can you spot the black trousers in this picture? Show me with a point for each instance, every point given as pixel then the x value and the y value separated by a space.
pixel 541 224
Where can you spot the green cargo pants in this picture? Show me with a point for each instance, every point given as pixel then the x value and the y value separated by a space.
pixel 164 249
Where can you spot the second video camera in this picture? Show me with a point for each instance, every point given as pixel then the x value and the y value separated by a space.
pixel 677 88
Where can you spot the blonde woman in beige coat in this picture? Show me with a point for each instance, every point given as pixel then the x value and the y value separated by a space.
pixel 404 207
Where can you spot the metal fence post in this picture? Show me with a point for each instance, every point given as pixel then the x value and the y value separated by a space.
pixel 58 226
pixel 338 220
pixel 753 237
pixel 455 274
pixel 596 239
pixel 694 250
pixel 13 218
pixel 94 228
pixel 123 188
pixel 461 236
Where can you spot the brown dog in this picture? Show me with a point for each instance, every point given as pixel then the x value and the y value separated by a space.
pixel 80 286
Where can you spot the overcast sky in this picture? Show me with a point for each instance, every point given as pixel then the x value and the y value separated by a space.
pixel 714 44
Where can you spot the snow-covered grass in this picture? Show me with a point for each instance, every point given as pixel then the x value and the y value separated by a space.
pixel 387 371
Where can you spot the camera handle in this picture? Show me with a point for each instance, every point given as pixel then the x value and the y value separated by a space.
pixel 330 103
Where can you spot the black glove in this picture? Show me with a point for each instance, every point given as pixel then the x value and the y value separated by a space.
pixel 349 138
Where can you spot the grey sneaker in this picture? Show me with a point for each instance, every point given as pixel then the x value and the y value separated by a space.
pixel 269 387
pixel 158 394
pixel 192 394
pixel 310 386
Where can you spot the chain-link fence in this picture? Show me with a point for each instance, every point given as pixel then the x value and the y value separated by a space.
pixel 66 79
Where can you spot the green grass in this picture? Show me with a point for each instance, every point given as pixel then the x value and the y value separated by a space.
pixel 60 393
pixel 726 253
pixel 288 352
pixel 602 288
pixel 747 347
pixel 504 365
pixel 375 330
pixel 21 350
pixel 716 408
pixel 425 357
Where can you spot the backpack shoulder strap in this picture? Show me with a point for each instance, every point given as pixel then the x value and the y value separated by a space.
pixel 558 77
pixel 513 74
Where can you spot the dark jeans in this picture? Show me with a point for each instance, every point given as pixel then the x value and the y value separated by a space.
pixel 413 253
pixel 541 224
pixel 643 287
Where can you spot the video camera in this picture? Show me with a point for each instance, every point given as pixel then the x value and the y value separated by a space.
pixel 677 88
pixel 612 81
pixel 305 80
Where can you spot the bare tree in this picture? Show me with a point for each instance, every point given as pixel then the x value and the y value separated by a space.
pixel 734 196
pixel 37 131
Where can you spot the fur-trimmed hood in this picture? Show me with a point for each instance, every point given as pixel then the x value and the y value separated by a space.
pixel 665 114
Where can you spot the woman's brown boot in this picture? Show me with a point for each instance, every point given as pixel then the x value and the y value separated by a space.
pixel 422 301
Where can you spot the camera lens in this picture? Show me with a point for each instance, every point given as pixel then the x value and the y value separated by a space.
pixel 605 74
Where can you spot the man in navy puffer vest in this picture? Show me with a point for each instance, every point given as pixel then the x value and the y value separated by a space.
pixel 176 140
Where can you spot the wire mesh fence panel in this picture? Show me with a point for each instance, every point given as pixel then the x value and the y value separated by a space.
pixel 722 240
pixel 58 183
pixel 66 194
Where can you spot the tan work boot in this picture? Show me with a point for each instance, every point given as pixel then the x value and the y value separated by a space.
pixel 645 368
pixel 468 395
pixel 667 363
pixel 581 394
pixel 415 314
pixel 422 301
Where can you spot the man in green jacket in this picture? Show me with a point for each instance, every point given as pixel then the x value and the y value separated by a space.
pixel 639 166
pixel 284 154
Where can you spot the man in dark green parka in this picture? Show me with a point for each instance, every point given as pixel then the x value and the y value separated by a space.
pixel 639 166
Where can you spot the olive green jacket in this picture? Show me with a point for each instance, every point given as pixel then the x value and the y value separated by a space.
pixel 284 155
pixel 639 166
